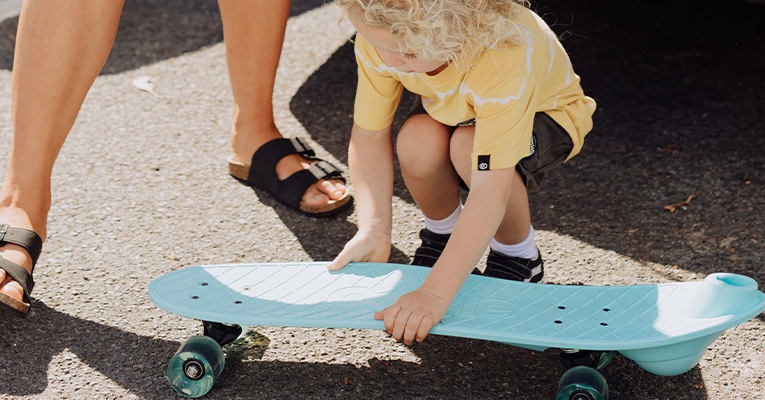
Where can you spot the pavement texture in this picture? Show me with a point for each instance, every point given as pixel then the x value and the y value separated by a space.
pixel 141 188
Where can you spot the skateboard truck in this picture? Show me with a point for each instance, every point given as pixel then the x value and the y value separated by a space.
pixel 594 359
pixel 221 333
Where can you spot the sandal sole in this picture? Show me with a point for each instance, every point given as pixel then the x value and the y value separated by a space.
pixel 11 306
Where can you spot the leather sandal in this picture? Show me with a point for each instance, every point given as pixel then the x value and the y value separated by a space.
pixel 261 173
pixel 32 243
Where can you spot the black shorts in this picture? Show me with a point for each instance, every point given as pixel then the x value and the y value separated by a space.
pixel 550 146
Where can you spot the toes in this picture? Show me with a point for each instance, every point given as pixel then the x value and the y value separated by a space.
pixel 11 287
pixel 321 192
pixel 314 197
pixel 334 189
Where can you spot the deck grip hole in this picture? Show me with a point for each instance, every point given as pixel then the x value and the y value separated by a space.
pixel 557 321
pixel 561 307
pixel 194 297
pixel 204 284
pixel 238 302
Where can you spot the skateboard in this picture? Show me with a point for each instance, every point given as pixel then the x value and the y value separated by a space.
pixel 664 328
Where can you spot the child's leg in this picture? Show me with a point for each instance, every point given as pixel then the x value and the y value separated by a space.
pixel 513 254
pixel 423 153
pixel 517 221
pixel 422 146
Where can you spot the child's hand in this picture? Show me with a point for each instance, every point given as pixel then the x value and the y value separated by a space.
pixel 364 247
pixel 413 314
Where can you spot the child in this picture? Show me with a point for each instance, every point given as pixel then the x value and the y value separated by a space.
pixel 500 106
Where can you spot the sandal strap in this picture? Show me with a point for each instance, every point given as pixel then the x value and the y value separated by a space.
pixel 25 238
pixel 263 163
pixel 324 170
pixel 20 275
pixel 293 188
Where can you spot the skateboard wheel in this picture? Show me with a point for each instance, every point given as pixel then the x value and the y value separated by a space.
pixel 582 383
pixel 195 366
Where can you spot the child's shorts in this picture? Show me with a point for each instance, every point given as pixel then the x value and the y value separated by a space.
pixel 550 143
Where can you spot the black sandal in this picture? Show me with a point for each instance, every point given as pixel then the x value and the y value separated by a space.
pixel 261 173
pixel 32 243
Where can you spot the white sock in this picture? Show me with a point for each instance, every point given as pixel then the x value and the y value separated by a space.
pixel 444 226
pixel 525 249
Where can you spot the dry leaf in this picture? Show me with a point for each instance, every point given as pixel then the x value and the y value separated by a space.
pixel 144 83
pixel 172 257
pixel 670 148
pixel 673 207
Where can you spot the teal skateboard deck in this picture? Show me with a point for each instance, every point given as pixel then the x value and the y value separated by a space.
pixel 665 328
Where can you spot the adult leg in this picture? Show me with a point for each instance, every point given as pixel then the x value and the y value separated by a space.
pixel 60 49
pixel 254 34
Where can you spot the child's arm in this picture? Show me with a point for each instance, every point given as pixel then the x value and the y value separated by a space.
pixel 370 158
pixel 415 313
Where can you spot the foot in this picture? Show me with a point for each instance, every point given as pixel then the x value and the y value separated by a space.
pixel 16 254
pixel 433 244
pixel 501 266
pixel 319 194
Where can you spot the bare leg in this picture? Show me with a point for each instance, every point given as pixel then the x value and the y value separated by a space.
pixel 517 221
pixel 423 152
pixel 254 33
pixel 60 49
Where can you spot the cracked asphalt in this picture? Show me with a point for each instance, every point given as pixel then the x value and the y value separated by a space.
pixel 141 188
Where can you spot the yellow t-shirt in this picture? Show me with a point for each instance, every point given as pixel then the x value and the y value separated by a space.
pixel 501 91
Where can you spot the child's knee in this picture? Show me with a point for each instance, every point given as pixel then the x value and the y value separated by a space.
pixel 421 139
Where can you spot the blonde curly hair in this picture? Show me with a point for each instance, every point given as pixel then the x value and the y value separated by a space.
pixel 442 30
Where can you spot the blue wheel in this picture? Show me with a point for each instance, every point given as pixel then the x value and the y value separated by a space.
pixel 582 383
pixel 196 366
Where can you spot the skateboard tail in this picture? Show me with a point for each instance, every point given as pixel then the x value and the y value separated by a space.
pixel 672 359
pixel 720 294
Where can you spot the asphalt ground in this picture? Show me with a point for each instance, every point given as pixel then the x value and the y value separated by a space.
pixel 141 188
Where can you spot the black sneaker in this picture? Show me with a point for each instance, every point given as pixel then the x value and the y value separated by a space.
pixel 501 266
pixel 432 246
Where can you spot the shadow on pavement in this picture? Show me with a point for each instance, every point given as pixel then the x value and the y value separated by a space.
pixel 449 367
pixel 117 354
pixel 677 104
pixel 472 368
